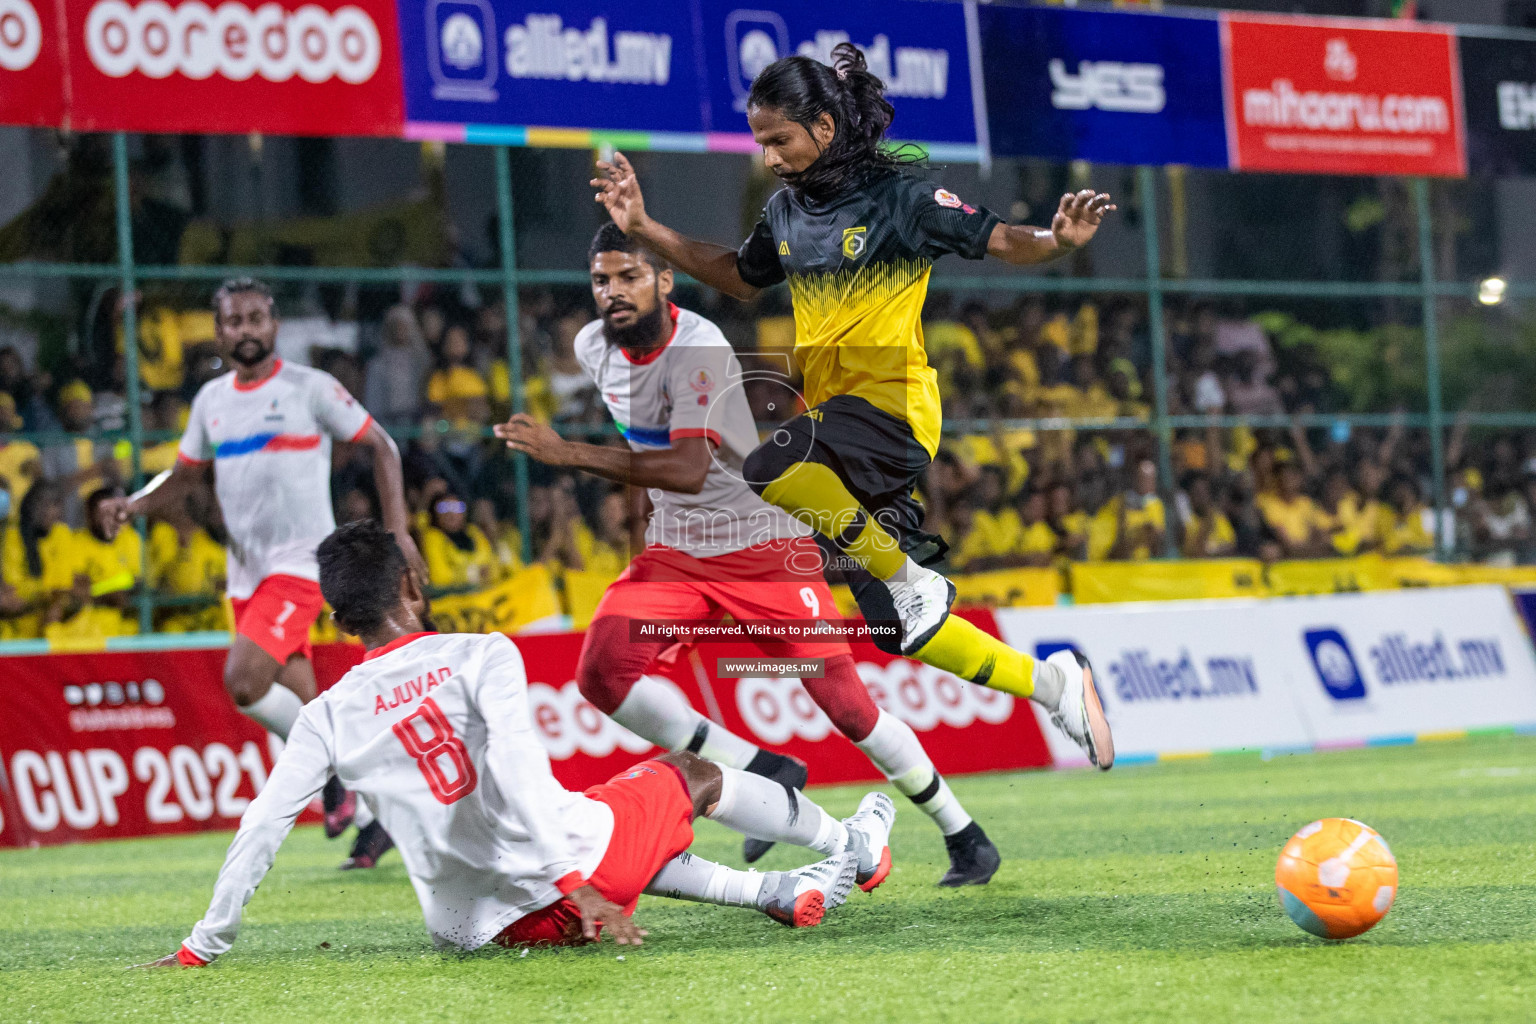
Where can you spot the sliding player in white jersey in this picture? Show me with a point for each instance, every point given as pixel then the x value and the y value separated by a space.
pixel 265 429
pixel 675 388
pixel 436 732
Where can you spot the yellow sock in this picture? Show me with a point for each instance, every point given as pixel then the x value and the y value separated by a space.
pixel 970 653
pixel 813 494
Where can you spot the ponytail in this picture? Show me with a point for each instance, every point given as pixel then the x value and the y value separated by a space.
pixel 803 88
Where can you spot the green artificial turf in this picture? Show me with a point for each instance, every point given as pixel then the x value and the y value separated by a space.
pixel 1144 894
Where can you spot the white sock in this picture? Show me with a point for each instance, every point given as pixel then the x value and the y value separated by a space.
pixel 1049 681
pixel 764 809
pixel 276 711
pixel 896 751
pixel 657 712
pixel 686 877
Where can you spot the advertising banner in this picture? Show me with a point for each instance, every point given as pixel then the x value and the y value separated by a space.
pixel 31 74
pixel 1105 86
pixel 282 67
pixel 1201 676
pixel 1342 97
pixel 1498 85
pixel 567 64
pixel 918 49
pixel 104 746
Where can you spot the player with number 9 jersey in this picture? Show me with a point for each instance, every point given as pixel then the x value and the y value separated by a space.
pixel 678 394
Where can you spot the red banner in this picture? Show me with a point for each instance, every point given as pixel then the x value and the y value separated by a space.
pixel 31 74
pixel 283 68
pixel 1333 97
pixel 96 746
pixel 99 746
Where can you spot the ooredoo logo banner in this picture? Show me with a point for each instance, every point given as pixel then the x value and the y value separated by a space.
pixel 281 68
pixel 31 78
pixel 1333 97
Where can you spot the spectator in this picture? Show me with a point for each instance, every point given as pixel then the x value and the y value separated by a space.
pixel 1248 390
pixel 187 562
pixel 1142 520
pixel 1038 543
pixel 78 465
pixel 1207 532
pixel 995 529
pixel 1406 524
pixel 457 553
pixel 19 460
pixel 604 548
pixel 1068 522
pixel 1498 526
pixel 457 390
pixel 39 564
pixel 1292 517
pixel 398 371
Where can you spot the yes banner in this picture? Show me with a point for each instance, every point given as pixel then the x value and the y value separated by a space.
pixel 1101 85
pixel 1342 97
pixel 1201 676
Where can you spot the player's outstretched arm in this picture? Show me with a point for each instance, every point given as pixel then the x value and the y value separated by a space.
pixel 166 493
pixel 1077 220
pixel 597 912
pixel 296 779
pixel 389 481
pixel 618 190
pixel 680 468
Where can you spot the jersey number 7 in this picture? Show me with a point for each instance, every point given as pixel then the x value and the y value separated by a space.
pixel 428 737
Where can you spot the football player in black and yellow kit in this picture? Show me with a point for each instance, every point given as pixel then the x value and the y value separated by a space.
pixel 855 233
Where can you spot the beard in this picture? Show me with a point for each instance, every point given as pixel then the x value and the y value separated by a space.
pixel 644 333
pixel 250 352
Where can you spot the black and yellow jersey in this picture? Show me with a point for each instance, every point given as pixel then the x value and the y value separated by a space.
pixel 858 268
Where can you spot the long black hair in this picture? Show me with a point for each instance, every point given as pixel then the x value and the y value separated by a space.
pixel 803 88
pixel 32 531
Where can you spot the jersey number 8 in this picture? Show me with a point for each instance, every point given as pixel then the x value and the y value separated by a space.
pixel 431 743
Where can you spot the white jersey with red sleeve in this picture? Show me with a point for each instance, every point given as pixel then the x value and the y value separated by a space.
pixel 435 732
pixel 693 386
pixel 270 445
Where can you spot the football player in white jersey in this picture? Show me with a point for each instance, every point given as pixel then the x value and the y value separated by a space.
pixel 266 429
pixel 435 730
pixel 675 388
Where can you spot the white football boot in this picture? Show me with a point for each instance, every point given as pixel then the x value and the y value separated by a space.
pixel 801 898
pixel 869 837
pixel 922 602
pixel 1079 713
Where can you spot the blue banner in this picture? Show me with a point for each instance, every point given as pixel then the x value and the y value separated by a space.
pixel 1111 87
pixel 583 64
pixel 917 48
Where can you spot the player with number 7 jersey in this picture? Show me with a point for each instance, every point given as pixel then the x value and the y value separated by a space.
pixel 713 547
pixel 435 731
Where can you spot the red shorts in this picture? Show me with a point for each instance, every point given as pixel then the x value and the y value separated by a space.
pixel 278 615
pixel 652 823
pixel 753 584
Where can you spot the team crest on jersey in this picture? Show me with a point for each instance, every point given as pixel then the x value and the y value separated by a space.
pixel 854 242
pixel 944 197
pixel 701 380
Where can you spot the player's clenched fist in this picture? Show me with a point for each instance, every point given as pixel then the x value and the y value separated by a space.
pixel 111 514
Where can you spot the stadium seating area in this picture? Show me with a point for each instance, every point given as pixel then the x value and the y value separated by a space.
pixel 435 371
